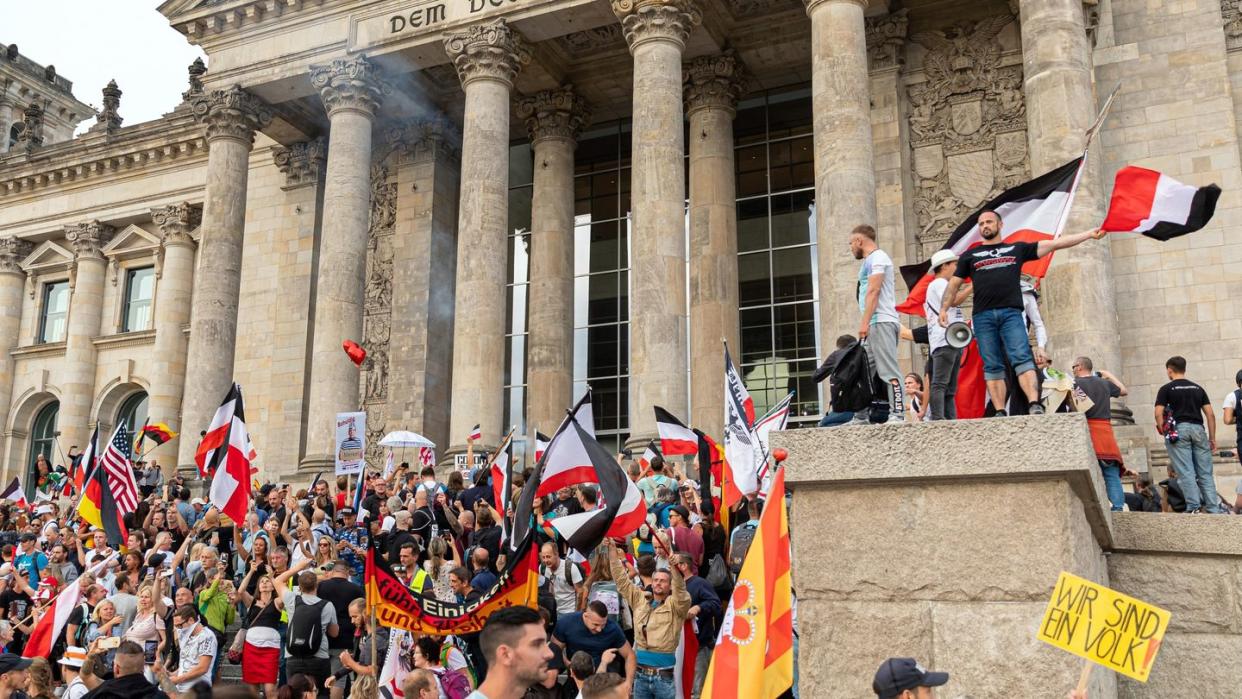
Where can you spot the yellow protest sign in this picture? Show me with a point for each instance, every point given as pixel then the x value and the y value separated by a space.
pixel 1104 626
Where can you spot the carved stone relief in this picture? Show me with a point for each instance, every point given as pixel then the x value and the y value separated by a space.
pixel 1231 11
pixel 377 310
pixel 967 126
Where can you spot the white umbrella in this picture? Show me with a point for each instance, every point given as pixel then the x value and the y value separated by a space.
pixel 402 438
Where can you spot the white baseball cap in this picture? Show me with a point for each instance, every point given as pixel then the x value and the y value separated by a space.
pixel 941 257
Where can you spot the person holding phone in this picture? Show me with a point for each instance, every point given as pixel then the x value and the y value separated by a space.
pixel 147 630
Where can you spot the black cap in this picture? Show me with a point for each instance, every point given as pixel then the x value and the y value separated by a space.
pixel 681 510
pixel 11 661
pixel 28 536
pixel 346 512
pixel 896 675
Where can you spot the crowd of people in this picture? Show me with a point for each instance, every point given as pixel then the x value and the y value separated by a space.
pixel 1010 338
pixel 282 592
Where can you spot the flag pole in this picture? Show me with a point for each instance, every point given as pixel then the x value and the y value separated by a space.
pixel 1086 152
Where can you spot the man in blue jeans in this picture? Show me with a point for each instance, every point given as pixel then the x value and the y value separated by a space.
pixel 1195 424
pixel 995 268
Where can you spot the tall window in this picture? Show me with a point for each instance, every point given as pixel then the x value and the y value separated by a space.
pixel 139 293
pixel 521 190
pixel 55 312
pixel 133 412
pixel 776 260
pixel 42 441
pixel 601 277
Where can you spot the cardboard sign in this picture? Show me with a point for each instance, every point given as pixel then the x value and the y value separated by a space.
pixel 351 443
pixel 1104 626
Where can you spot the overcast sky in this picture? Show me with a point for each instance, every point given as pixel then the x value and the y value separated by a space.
pixel 93 41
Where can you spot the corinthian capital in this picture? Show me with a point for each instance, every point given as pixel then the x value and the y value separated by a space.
pixel 657 20
pixel 88 238
pixel 493 51
pixel 559 113
pixel 12 252
pixel 301 162
pixel 176 221
pixel 350 84
pixel 232 113
pixel 714 82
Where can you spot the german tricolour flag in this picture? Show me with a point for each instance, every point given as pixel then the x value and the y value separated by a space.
pixel 159 433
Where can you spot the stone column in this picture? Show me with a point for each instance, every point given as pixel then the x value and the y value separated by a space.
pixel 12 281
pixel 1079 304
pixel 352 91
pixel 487 58
pixel 174 287
pixel 6 123
pixel 844 168
pixel 554 119
pixel 86 284
pixel 424 247
pixel 230 118
pixel 713 86
pixel 656 31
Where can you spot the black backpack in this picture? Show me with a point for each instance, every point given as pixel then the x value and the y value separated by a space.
pixel 851 381
pixel 742 538
pixel 305 629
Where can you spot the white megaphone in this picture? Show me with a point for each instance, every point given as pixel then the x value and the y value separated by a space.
pixel 958 334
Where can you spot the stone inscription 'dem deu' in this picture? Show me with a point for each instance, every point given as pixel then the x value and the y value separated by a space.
pixel 432 13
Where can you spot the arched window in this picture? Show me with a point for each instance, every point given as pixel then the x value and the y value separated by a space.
pixel 42 442
pixel 133 412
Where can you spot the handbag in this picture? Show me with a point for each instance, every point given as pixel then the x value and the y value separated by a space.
pixel 239 643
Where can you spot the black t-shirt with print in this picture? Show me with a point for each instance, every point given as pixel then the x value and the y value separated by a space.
pixel 996 271
pixel 1185 398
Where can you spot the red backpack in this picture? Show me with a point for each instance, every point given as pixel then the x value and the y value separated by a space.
pixel 454 684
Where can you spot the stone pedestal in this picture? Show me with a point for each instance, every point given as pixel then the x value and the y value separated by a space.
pixel 844 169
pixel 86 282
pixel 173 291
pixel 554 119
pixel 487 58
pixel 1080 306
pixel 424 245
pixel 656 31
pixel 230 118
pixel 948 538
pixel 12 281
pixel 713 86
pixel 351 91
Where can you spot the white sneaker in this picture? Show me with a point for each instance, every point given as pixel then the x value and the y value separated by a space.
pixel 892 417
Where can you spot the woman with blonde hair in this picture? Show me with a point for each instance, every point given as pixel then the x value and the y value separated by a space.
pixel 105 623
pixel 438 566
pixel 147 629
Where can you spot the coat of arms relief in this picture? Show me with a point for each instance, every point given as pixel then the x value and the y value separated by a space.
pixel 967 125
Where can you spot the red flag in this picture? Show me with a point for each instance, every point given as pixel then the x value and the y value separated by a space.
pixel 972 390
pixel 356 353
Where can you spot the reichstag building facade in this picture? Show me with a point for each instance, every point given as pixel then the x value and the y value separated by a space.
pixel 505 201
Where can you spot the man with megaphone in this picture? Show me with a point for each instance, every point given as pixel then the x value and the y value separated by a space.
pixel 946 343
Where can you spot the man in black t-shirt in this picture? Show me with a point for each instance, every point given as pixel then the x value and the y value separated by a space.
pixel 1191 453
pixel 1100 387
pixel 995 268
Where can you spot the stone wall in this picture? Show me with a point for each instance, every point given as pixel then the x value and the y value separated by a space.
pixel 1175 113
pixel 943 541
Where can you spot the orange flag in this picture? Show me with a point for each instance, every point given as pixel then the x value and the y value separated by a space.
pixel 754 656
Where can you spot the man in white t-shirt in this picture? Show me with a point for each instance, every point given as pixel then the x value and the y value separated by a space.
pixel 879 327
pixel 564 577
pixel 944 359
pixel 198 649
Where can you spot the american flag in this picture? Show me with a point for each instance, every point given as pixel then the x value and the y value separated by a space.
pixel 115 462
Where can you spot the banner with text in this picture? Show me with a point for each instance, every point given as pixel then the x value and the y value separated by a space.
pixel 1103 626
pixel 351 443
pixel 396 606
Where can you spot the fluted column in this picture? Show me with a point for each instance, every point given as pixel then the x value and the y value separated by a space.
pixel 487 58
pixel 230 118
pixel 844 168
pixel 656 31
pixel 352 91
pixel 1080 306
pixel 174 286
pixel 713 86
pixel 12 281
pixel 77 382
pixel 554 118
pixel 6 123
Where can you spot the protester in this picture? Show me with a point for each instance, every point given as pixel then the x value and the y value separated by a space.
pixel 592 632
pixel 880 325
pixel 945 359
pixel 1230 408
pixel 128 678
pixel 657 624
pixel 995 268
pixel 1099 387
pixel 515 646
pixel 1190 436
pixel 312 621
pixel 904 678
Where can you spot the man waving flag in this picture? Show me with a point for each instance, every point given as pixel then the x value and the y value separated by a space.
pixel 754 653
pixel 225 452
